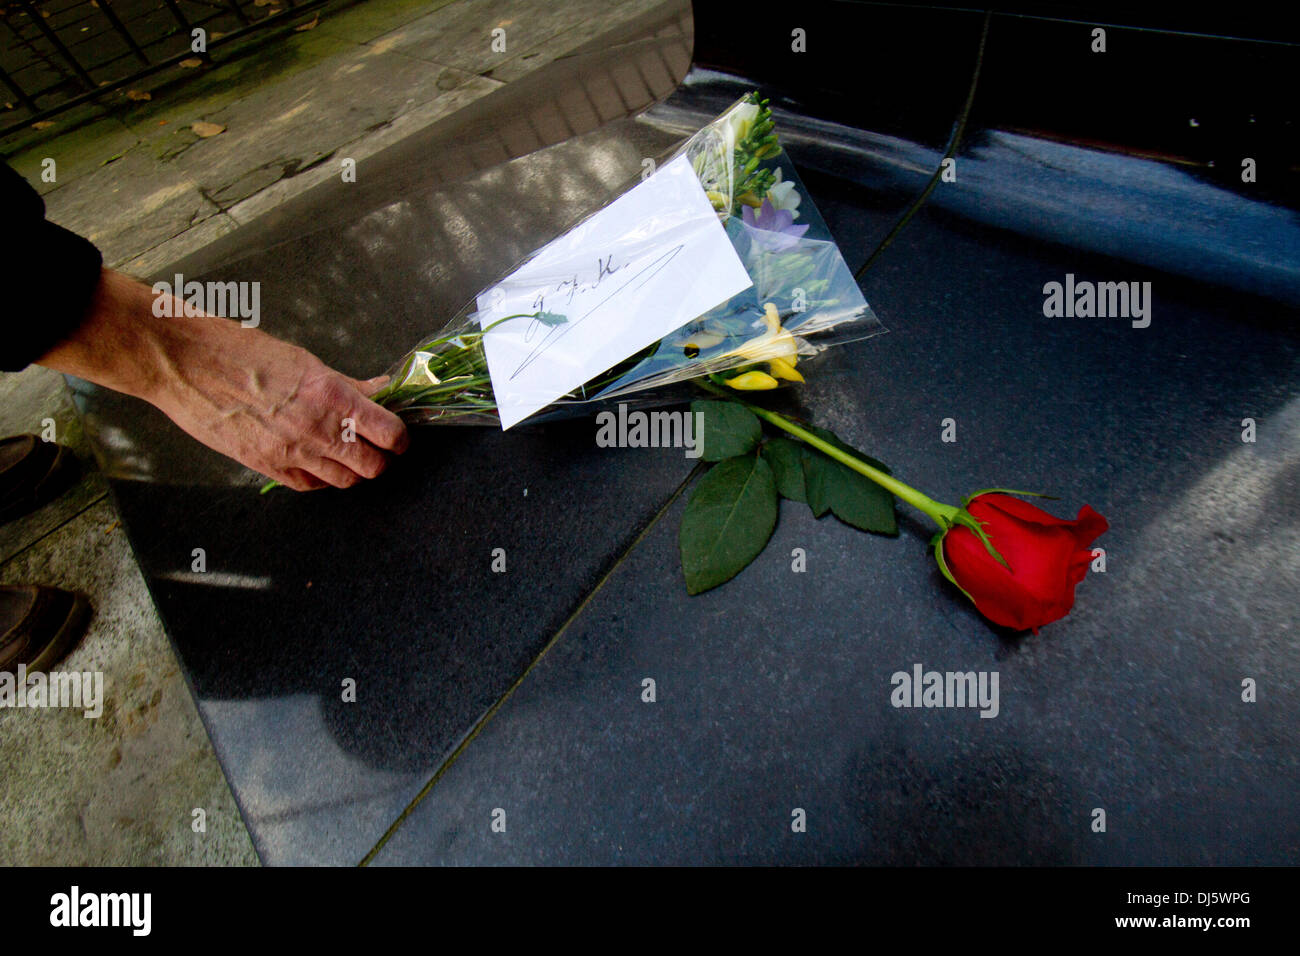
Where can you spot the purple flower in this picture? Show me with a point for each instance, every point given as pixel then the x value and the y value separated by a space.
pixel 773 229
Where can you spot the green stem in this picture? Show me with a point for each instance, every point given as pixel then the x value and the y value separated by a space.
pixel 945 516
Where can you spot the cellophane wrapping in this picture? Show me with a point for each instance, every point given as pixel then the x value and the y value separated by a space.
pixel 803 298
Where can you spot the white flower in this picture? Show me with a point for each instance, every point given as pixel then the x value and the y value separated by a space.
pixel 783 195
pixel 736 124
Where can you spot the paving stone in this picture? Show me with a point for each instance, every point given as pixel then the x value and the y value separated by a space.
pixel 79 151
pixel 146 203
pixel 311 115
pixel 561 44
pixel 119 789
pixel 364 22
pixel 181 97
pixel 358 149
pixel 28 401
pixel 151 261
pixel 461 35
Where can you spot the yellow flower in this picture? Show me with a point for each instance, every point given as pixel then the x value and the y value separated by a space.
pixel 783 369
pixel 754 381
pixel 776 346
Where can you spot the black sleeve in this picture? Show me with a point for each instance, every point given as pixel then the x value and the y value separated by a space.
pixel 47 276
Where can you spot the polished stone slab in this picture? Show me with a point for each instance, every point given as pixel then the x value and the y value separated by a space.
pixel 390 588
pixel 773 692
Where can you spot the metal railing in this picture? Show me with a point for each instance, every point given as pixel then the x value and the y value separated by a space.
pixel 57 54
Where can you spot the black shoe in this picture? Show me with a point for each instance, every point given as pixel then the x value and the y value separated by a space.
pixel 32 473
pixel 39 625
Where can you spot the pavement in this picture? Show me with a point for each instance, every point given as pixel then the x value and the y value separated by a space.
pixel 141 784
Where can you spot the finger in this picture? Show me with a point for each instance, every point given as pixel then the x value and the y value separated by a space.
pixel 298 480
pixel 368 386
pixel 380 427
pixel 333 473
pixel 360 456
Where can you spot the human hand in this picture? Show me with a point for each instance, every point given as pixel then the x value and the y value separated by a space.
pixel 268 404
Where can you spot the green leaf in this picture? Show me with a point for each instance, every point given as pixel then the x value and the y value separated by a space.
pixel 851 497
pixel 726 430
pixel 727 521
pixel 786 458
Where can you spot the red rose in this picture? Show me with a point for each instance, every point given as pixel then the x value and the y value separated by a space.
pixel 1047 557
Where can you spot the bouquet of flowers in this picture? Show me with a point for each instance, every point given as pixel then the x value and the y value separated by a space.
pixel 792 288
pixel 717 269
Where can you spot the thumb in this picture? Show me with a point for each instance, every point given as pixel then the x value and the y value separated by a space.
pixel 369 386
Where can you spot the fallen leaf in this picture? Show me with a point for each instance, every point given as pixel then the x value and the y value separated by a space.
pixel 308 26
pixel 113 527
pixel 215 35
pixel 140 96
pixel 190 62
pixel 42 124
pixel 206 129
pixel 262 3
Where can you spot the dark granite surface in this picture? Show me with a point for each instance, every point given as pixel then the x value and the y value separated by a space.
pixel 773 691
pixel 392 587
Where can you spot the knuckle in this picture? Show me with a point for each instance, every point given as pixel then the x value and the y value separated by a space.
pixel 389 430
pixel 336 392
pixel 366 461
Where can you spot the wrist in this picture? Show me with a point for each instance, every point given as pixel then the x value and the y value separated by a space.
pixel 120 343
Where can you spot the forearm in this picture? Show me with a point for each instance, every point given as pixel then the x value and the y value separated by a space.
pixel 271 405
pixel 267 403
pixel 119 344
pixel 123 344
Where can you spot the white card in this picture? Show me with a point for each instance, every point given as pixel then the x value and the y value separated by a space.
pixel 645 265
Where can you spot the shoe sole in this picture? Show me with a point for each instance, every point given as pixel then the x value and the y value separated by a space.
pixel 69 635
pixel 60 477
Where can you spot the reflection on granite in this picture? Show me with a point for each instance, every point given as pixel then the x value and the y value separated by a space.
pixel 773 692
pixel 390 586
